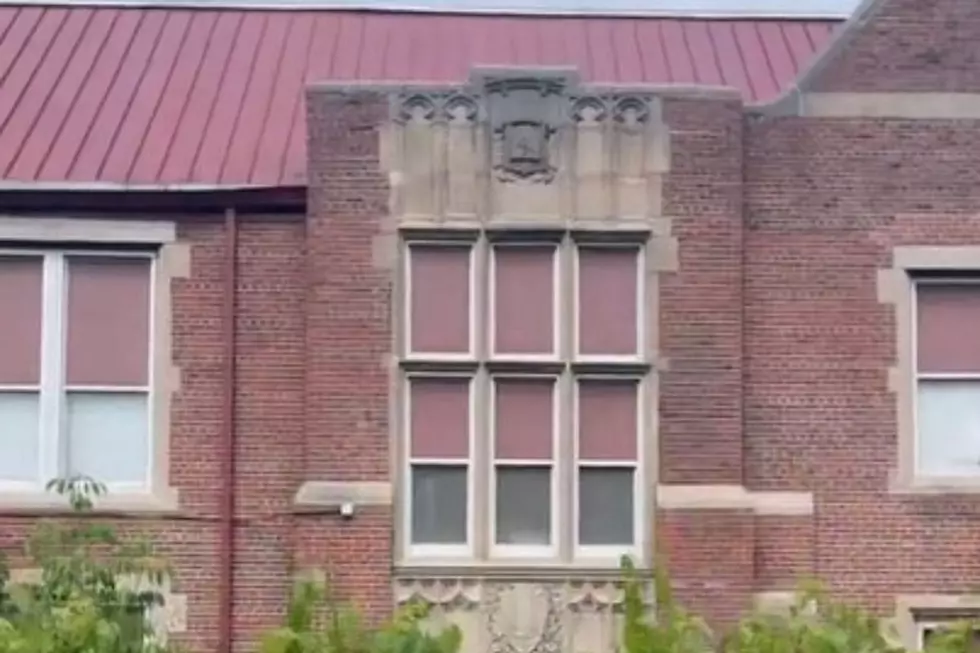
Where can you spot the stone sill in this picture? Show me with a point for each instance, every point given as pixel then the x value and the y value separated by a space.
pixel 31 503
pixel 511 571
pixel 931 485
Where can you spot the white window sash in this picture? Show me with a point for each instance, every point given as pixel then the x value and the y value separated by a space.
pixel 605 554
pixel 919 377
pixel 52 388
pixel 438 551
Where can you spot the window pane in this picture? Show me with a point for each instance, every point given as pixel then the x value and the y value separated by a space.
pixel 440 415
pixel 607 300
pixel 439 500
pixel 605 506
pixel 523 419
pixel 21 280
pixel 108 436
pixel 108 321
pixel 524 296
pixel 440 299
pixel 19 433
pixel 524 505
pixel 947 316
pixel 607 428
pixel 949 428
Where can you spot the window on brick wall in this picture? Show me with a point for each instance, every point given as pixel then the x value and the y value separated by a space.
pixel 947 377
pixel 523 397
pixel 75 331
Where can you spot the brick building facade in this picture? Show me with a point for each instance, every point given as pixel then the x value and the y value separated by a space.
pixel 650 320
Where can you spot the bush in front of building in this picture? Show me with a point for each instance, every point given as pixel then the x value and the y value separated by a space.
pixel 93 592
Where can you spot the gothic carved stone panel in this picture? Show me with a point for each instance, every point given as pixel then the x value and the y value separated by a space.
pixel 522 616
pixel 526 145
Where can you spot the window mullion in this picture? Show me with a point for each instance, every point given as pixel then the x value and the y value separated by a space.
pixel 564 502
pixel 53 341
pixel 481 472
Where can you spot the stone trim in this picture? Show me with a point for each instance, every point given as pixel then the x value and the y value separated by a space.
pixel 895 287
pixel 905 106
pixel 908 606
pixel 59 230
pixel 733 497
pixel 168 619
pixel 331 495
pixel 173 261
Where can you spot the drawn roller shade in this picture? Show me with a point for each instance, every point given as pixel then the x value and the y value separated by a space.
pixel 607 301
pixel 439 303
pixel 524 291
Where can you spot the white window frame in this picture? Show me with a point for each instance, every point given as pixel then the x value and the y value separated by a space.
pixel 641 308
pixel 439 551
pixel 917 377
pixel 529 551
pixel 409 353
pixel 556 305
pixel 612 552
pixel 53 390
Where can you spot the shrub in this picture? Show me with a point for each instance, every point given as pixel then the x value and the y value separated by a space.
pixel 82 602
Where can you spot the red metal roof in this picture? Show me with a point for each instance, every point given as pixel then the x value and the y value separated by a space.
pixel 183 96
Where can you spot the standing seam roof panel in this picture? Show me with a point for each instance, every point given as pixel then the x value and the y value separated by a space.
pixel 158 96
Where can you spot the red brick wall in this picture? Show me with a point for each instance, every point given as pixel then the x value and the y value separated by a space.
pixel 910 45
pixel 826 200
pixel 348 341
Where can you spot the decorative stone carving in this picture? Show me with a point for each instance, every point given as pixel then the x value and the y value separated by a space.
pixel 522 616
pixel 436 106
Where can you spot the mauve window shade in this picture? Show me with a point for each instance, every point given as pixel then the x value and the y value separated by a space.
pixel 607 416
pixel 108 321
pixel 948 328
pixel 607 301
pixel 439 310
pixel 21 288
pixel 524 419
pixel 524 296
pixel 439 417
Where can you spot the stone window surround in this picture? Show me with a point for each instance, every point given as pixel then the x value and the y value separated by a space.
pixel 172 261
pixel 565 239
pixel 896 287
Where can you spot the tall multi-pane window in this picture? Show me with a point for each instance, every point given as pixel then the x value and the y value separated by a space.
pixel 75 368
pixel 947 377
pixel 523 392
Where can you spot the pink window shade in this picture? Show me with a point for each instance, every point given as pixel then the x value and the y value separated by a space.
pixel 607 301
pixel 524 419
pixel 948 329
pixel 440 417
pixel 607 427
pixel 21 288
pixel 440 299
pixel 108 321
pixel 524 299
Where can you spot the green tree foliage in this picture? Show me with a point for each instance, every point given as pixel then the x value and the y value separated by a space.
pixel 317 623
pixel 95 589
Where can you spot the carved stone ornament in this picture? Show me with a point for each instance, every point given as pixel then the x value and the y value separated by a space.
pixel 524 618
pixel 525 113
